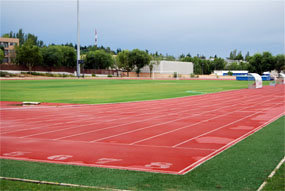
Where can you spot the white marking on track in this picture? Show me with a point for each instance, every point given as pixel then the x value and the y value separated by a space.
pixel 16 153
pixel 59 157
pixel 107 160
pixel 161 165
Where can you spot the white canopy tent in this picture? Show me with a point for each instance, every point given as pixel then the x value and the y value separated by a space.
pixel 282 77
pixel 257 80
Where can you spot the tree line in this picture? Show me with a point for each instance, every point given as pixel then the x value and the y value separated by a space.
pixel 258 63
pixel 33 52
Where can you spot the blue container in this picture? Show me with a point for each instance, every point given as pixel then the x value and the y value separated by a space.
pixel 247 78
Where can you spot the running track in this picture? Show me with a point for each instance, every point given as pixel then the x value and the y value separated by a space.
pixel 167 136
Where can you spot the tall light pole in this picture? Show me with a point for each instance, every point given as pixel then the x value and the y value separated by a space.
pixel 78 41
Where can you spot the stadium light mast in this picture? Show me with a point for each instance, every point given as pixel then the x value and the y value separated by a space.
pixel 78 41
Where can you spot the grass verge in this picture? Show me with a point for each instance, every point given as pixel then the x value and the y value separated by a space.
pixel 242 167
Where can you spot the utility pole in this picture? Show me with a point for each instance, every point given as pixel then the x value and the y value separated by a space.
pixel 78 41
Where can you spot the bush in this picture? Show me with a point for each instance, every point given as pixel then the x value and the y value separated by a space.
pixel 93 75
pixel 230 73
pixel 175 75
pixel 6 74
pixel 109 76
pixel 37 74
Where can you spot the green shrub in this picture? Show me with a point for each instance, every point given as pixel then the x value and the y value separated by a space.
pixel 3 74
pixel 109 76
pixel 93 75
pixel 230 73
pixel 6 74
pixel 175 75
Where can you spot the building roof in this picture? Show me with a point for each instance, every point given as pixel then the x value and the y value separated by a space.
pixel 16 40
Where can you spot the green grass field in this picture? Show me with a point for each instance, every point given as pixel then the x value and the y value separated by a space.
pixel 109 91
pixel 242 167
pixel 277 182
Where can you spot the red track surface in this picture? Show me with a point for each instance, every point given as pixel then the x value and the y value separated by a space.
pixel 167 136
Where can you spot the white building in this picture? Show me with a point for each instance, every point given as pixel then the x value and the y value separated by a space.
pixel 235 72
pixel 169 67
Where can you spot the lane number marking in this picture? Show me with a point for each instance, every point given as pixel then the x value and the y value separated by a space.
pixel 59 157
pixel 162 165
pixel 16 153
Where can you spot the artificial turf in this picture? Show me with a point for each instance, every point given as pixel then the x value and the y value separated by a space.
pixel 277 182
pixel 9 185
pixel 91 91
pixel 242 167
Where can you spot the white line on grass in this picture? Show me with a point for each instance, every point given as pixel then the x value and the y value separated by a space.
pixel 271 174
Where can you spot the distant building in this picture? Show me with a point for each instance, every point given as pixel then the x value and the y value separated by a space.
pixel 234 72
pixel 229 61
pixel 9 48
pixel 169 67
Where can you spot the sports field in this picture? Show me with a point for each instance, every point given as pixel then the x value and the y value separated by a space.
pixel 109 91
pixel 171 136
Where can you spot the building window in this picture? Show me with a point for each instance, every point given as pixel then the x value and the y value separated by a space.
pixel 5 44
pixel 5 60
pixel 6 52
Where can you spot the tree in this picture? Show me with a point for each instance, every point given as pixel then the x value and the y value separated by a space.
pixel 1 56
pixel 52 56
pixel 98 59
pixel 243 66
pixel 268 61
pixel 260 63
pixel 32 38
pixel 187 59
pixel 155 61
pixel 28 55
pixel 239 56
pixel 247 56
pixel 279 62
pixel 69 56
pixel 169 58
pixel 233 66
pixel 181 56
pixel 123 61
pixel 6 35
pixel 219 63
pixel 197 68
pixel 21 36
pixel 139 59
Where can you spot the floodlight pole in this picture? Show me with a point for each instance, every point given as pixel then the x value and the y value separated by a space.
pixel 78 41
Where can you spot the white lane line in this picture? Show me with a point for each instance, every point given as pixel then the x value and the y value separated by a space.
pixel 96 123
pixel 229 145
pixel 115 114
pixel 159 116
pixel 188 125
pixel 164 123
pixel 151 118
pixel 215 129
pixel 118 144
pixel 85 120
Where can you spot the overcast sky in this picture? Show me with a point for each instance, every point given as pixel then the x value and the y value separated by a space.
pixel 174 27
